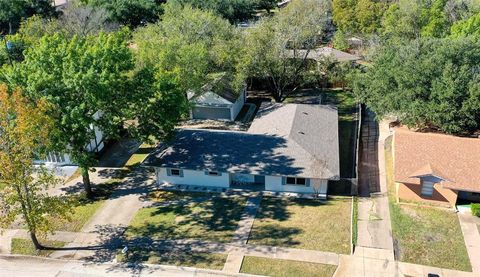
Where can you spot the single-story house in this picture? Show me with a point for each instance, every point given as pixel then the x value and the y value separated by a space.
pixel 436 168
pixel 288 148
pixel 96 145
pixel 217 100
pixel 321 53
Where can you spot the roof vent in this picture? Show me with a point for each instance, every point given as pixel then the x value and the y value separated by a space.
pixel 301 133
pixel 305 113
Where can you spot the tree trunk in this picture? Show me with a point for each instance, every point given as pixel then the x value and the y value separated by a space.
pixel 86 182
pixel 37 244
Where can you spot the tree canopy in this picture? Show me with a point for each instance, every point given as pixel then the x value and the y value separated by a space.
pixel 358 16
pixel 25 131
pixel 426 83
pixel 83 77
pixel 276 50
pixel 189 44
pixel 12 12
pixel 132 13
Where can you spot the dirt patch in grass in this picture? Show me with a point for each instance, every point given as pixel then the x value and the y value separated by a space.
pixel 302 223
pixel 26 247
pixel 425 235
pixel 284 268
pixel 214 218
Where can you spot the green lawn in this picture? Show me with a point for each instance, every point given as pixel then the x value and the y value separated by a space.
pixel 140 155
pixel 425 235
pixel 26 247
pixel 307 224
pixel 213 219
pixel 177 258
pixel 285 268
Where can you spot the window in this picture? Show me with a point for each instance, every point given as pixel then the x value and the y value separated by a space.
pixel 213 173
pixel 175 172
pixel 427 188
pixel 291 181
pixel 296 181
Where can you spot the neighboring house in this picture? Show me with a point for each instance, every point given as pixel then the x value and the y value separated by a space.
pixel 217 101
pixel 321 53
pixel 436 168
pixel 96 145
pixel 288 148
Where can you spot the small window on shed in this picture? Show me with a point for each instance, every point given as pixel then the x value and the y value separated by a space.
pixel 427 188
pixel 213 173
pixel 301 181
pixel 175 172
pixel 291 181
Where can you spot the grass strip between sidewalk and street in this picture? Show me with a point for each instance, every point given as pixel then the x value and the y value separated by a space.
pixel 285 268
pixel 25 247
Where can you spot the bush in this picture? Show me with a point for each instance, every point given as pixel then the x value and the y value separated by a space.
pixel 475 209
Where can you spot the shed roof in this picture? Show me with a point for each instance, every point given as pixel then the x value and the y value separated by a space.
pixel 455 160
pixel 284 140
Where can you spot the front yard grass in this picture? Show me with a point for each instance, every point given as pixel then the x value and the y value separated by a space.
pixel 214 218
pixel 304 223
pixel 26 247
pixel 423 234
pixel 176 258
pixel 284 268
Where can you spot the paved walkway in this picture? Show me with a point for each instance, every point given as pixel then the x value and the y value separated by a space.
pixel 109 223
pixel 374 227
pixel 472 239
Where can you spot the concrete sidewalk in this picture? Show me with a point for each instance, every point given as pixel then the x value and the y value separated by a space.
pixel 472 240
pixel 25 266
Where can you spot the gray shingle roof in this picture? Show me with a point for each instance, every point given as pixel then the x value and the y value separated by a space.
pixel 286 140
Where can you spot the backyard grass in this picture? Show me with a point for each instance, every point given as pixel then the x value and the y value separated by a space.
pixel 204 217
pixel 26 247
pixel 140 155
pixel 425 235
pixel 303 223
pixel 284 268
pixel 177 258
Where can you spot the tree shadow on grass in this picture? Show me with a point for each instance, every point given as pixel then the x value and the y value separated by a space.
pixel 275 235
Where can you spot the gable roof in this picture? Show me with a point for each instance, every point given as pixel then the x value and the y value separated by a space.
pixel 455 160
pixel 217 92
pixel 327 52
pixel 305 145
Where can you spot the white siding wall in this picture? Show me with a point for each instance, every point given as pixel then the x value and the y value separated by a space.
pixel 274 183
pixel 237 106
pixel 193 177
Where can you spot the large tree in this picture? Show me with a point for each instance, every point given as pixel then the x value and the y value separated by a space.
pixel 132 13
pixel 25 131
pixel 84 78
pixel 190 44
pixel 277 48
pixel 12 12
pixel 431 83
pixel 233 10
pixel 358 16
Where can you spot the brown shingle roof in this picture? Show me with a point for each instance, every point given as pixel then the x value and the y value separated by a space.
pixel 453 159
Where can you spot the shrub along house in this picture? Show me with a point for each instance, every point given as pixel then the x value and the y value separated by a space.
pixel 436 168
pixel 217 100
pixel 288 148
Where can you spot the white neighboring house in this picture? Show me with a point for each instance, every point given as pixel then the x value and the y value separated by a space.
pixel 288 148
pixel 217 101
pixel 96 145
